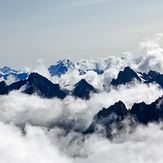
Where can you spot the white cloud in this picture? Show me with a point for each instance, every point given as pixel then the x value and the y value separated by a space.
pixel 143 146
pixel 41 69
pixel 40 145
pixel 153 60
pixel 31 148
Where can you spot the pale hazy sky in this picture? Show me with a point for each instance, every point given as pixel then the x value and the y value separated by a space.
pixel 75 29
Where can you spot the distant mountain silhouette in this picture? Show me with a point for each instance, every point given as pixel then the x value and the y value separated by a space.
pixel 61 67
pixel 7 72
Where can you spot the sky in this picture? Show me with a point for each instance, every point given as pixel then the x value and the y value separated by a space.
pixel 74 29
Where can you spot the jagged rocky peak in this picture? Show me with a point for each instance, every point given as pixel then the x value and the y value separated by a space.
pixel 61 67
pixel 38 80
pixel 145 113
pixel 107 117
pixel 7 70
pixel 125 76
pixel 153 77
pixel 40 85
pixel 35 76
pixel 66 62
pixel 82 82
pixel 37 83
pixel 153 74
pixel 8 73
pixel 119 109
pixel 83 89
pixel 139 113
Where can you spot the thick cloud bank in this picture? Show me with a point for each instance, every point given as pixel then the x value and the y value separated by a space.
pixel 39 145
pixel 35 146
pixel 20 108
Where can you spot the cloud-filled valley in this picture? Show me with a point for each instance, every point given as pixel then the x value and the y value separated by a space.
pixel 44 112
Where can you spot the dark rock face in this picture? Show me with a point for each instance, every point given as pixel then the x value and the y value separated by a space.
pixel 40 85
pixel 145 113
pixel 43 87
pixel 158 80
pixel 3 88
pixel 153 77
pixel 153 74
pixel 109 117
pixel 83 89
pixel 35 84
pixel 114 115
pixel 128 75
pixel 125 76
pixel 118 110
pixel 16 85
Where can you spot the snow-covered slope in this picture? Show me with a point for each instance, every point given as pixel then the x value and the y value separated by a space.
pixel 61 67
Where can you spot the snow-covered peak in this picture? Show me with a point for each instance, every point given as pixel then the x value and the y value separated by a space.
pixel 11 75
pixel 61 67
pixel 7 70
pixel 67 63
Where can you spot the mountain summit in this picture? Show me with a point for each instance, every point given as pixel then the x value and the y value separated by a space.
pixel 83 89
pixel 7 70
pixel 125 76
pixel 61 67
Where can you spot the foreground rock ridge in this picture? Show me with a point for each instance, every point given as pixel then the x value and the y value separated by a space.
pixel 113 117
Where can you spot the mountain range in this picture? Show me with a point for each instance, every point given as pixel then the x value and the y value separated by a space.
pixel 112 118
pixel 36 83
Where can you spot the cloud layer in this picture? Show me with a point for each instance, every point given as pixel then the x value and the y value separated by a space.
pixel 39 145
